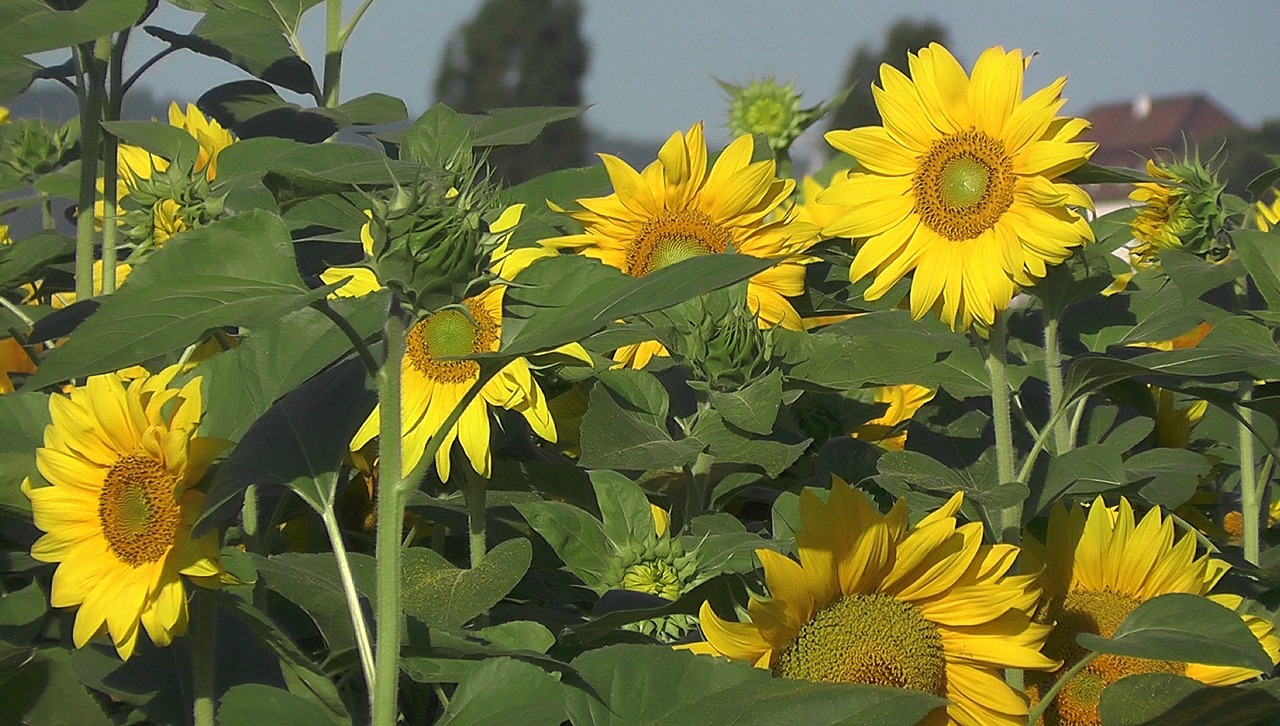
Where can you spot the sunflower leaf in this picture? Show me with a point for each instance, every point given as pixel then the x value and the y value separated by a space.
pixel 504 690
pixel 641 685
pixel 441 595
pixel 1174 700
pixel 577 537
pixel 255 703
pixel 1184 628
pixel 44 689
pixel 624 509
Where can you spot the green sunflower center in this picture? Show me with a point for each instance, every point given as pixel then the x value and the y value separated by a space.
pixel 871 639
pixel 656 577
pixel 1089 611
pixel 449 334
pixel 674 237
pixel 137 509
pixel 963 185
pixel 767 116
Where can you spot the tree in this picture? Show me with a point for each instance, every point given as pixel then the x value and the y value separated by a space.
pixel 521 53
pixel 905 35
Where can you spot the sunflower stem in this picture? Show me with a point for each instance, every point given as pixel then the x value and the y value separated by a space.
pixel 1047 697
pixel 90 79
pixel 1250 492
pixel 390 517
pixel 699 474
pixel 477 487
pixel 1001 415
pixel 361 628
pixel 110 156
pixel 17 312
pixel 202 660
pixel 334 40
pixel 1062 441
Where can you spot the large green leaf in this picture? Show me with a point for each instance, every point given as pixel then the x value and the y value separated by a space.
pixel 1186 628
pixel 508 126
pixel 23 418
pixel 311 582
pixel 616 435
pixel 250 704
pixel 577 537
pixel 163 140
pixel 441 595
pixel 24 260
pixel 250 42
pixel 299 444
pixel 624 509
pixel 564 299
pixel 277 358
pixel 883 348
pixel 729 445
pixel 22 613
pixel 238 271
pixel 44 690
pixel 16 75
pixel 638 685
pixel 31 26
pixel 752 408
pixel 1257 252
pixel 438 139
pixel 1174 700
pixel 284 14
pixel 502 690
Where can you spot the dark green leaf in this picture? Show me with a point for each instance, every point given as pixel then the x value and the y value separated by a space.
pixel 299 443
pixel 284 14
pixel 577 537
pixel 237 271
pixel 1258 253
pixel 753 408
pixel 507 126
pixel 21 614
pixel 1089 173
pixel 441 595
pixel 24 260
pixel 562 187
pixel 44 690
pixel 248 42
pixel 167 142
pixel 502 690
pixel 30 26
pixel 1172 700
pixel 1184 628
pixel 15 75
pixel 727 445
pixel 439 139
pixel 640 685
pixel 250 704
pixel 23 418
pixel 624 509
pixel 311 582
pixel 616 436
pixel 1168 477
pixel 639 392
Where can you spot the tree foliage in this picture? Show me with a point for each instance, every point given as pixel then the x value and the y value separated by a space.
pixel 905 35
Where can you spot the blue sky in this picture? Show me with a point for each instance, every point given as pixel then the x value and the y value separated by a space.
pixel 653 62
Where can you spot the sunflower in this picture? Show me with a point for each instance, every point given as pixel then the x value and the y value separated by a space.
pixel 960 185
pixel 676 209
pixel 928 608
pixel 1094 571
pixel 432 387
pixel 1266 216
pixel 904 401
pixel 1173 423
pixel 118 515
pixel 61 300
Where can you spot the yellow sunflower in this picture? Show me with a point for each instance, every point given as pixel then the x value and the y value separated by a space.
pixel 431 387
pixel 1266 215
pixel 960 185
pixel 4 115
pixel 118 515
pixel 904 401
pixel 1173 422
pixel 1162 217
pixel 61 300
pixel 928 608
pixel 676 209
pixel 1094 571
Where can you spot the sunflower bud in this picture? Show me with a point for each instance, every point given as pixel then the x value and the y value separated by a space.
pixel 771 109
pixel 430 240
pixel 1184 213
pixel 165 203
pixel 720 341
pixel 30 148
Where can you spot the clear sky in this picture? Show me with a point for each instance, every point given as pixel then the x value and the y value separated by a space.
pixel 653 61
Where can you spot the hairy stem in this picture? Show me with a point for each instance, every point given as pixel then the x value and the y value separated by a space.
pixel 476 490
pixel 202 659
pixel 1062 441
pixel 363 644
pixel 390 515
pixel 1250 492
pixel 90 90
pixel 1010 518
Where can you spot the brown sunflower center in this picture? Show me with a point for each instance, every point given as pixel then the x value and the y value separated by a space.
pixel 1089 611
pixel 449 334
pixel 655 577
pixel 964 184
pixel 871 639
pixel 138 511
pixel 674 237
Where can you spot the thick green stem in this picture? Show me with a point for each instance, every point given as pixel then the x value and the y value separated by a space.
pixel 1002 417
pixel 202 659
pixel 1062 441
pixel 1046 699
pixel 477 488
pixel 333 53
pixel 113 55
pixel 1250 492
pixel 390 517
pixel 363 645
pixel 90 87
pixel 699 476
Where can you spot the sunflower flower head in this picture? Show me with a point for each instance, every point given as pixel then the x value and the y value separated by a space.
pixel 30 148
pixel 122 460
pixel 677 208
pixel 656 565
pixel 1267 215
pixel 961 187
pixel 768 108
pixel 719 339
pixel 1183 210
pixel 1095 568
pixel 886 430
pixel 928 608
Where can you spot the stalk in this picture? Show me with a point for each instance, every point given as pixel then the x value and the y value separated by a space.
pixel 1062 441
pixel 390 515
pixel 89 88
pixel 334 41
pixel 1250 492
pixel 363 644
pixel 476 490
pixel 1011 518
pixel 114 58
pixel 202 660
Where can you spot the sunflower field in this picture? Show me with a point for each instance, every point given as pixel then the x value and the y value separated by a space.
pixel 306 417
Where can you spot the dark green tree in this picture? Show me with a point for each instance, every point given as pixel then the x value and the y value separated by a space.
pixel 521 53
pixel 905 35
pixel 1246 153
